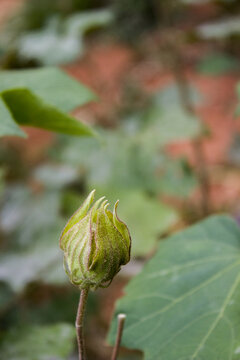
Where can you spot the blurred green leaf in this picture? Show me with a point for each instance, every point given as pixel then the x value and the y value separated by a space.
pixel 40 98
pixel 165 121
pixel 169 125
pixel 8 126
pixel 6 295
pixel 31 224
pixel 146 217
pixel 61 41
pixel 28 110
pixel 55 176
pixel 187 295
pixel 176 178
pixel 125 161
pixel 28 215
pixel 219 29
pixel 39 343
pixel 40 262
pixel 118 161
pixel 170 96
pixel 52 85
pixel 217 64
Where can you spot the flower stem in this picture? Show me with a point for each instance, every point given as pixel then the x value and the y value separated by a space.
pixel 121 320
pixel 79 324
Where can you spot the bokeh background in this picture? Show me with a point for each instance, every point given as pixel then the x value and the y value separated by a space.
pixel 166 74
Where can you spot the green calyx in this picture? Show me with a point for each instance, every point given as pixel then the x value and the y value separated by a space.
pixel 95 243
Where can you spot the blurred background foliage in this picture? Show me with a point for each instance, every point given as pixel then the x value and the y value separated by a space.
pixel 166 75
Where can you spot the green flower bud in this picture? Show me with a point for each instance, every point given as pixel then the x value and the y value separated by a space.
pixel 95 244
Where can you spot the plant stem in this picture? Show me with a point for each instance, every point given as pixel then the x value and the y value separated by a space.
pixel 121 320
pixel 79 324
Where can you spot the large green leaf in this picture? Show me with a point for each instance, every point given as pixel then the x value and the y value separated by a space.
pixel 185 303
pixel 27 109
pixel 50 84
pixel 39 343
pixel 41 98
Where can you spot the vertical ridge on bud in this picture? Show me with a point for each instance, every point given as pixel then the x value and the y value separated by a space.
pixel 95 243
pixel 79 214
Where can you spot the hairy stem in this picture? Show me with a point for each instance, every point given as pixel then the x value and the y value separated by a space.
pixel 121 320
pixel 79 324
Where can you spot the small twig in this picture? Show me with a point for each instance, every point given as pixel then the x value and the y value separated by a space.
pixel 121 320
pixel 79 324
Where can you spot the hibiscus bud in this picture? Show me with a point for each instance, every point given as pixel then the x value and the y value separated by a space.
pixel 95 244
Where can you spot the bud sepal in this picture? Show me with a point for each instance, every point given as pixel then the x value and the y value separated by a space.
pixel 95 243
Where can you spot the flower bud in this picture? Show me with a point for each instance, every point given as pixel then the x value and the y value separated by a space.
pixel 95 244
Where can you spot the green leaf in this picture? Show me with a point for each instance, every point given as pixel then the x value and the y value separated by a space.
pixel 134 167
pixel 165 121
pixel 220 29
pixel 27 109
pixel 55 176
pixel 185 303
pixel 61 41
pixel 27 215
pixel 146 217
pixel 171 96
pixel 217 64
pixel 177 178
pixel 118 161
pixel 40 262
pixel 32 225
pixel 41 98
pixel 8 125
pixel 50 84
pixel 169 125
pixel 6 295
pixel 39 343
